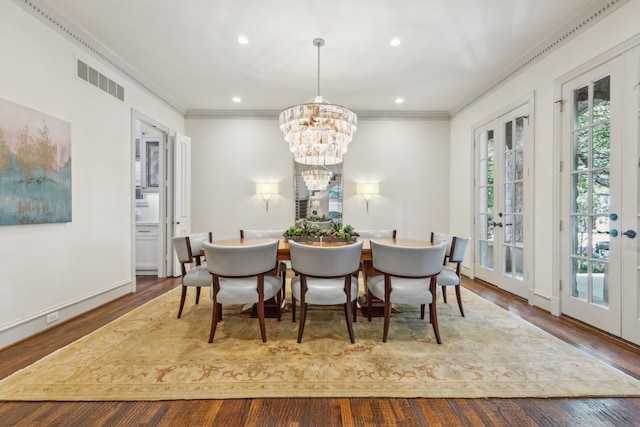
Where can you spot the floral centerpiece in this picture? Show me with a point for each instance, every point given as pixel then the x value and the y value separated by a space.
pixel 308 230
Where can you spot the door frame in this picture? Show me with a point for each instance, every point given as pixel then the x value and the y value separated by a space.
pixel 163 235
pixel 528 260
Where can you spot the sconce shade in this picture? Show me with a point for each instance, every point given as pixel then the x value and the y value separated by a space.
pixel 367 189
pixel 266 188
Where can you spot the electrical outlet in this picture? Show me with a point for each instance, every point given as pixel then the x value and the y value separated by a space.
pixel 52 317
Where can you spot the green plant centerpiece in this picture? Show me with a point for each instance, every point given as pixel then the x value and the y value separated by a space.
pixel 310 230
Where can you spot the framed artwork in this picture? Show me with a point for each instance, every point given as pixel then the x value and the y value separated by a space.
pixel 35 166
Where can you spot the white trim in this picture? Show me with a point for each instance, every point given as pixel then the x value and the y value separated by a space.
pixel 19 329
pixel 584 20
pixel 54 19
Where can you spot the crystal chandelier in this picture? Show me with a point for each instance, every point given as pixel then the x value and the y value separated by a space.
pixel 318 132
pixel 316 179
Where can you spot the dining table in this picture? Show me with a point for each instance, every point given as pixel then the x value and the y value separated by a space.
pixel 366 259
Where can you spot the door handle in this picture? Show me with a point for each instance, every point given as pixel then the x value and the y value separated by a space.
pixel 630 234
pixel 496 224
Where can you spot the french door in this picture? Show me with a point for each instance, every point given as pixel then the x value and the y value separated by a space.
pixel 501 183
pixel 600 214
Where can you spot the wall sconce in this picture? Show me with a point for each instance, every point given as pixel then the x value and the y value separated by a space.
pixel 367 190
pixel 267 189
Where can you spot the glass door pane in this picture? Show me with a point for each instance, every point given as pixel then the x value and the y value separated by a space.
pixel 485 208
pixel 511 215
pixel 590 191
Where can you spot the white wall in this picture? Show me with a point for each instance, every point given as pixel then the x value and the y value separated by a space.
pixel 229 156
pixel 408 158
pixel 410 161
pixel 70 267
pixel 614 29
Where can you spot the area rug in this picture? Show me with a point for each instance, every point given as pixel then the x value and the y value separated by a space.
pixel 149 354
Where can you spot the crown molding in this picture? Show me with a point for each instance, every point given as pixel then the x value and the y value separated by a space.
pixel 52 18
pixel 581 22
pixel 63 25
pixel 272 114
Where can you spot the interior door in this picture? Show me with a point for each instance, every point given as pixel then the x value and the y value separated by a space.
pixel 181 189
pixel 591 288
pixel 500 218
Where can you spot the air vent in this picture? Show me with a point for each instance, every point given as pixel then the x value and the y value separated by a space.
pixel 100 81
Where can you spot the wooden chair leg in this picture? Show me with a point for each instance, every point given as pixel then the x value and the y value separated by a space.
pixel 434 321
pixel 459 297
pixel 354 309
pixel 263 331
pixel 422 311
pixel 349 315
pixel 279 302
pixel 293 309
pixel 369 298
pixel 214 320
pixel 303 316
pixel 444 293
pixel 182 299
pixel 387 318
pixel 198 294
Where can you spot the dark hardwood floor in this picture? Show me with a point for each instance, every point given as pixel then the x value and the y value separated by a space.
pixel 326 412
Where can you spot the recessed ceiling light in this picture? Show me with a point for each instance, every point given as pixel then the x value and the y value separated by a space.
pixel 399 100
pixel 243 40
pixel 395 42
pixel 236 99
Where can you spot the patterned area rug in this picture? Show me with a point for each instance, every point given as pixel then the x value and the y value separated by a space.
pixel 149 354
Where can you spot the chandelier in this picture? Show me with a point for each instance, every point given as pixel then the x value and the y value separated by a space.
pixel 316 179
pixel 318 132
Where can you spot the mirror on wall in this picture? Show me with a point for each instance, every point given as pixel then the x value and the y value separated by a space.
pixel 321 202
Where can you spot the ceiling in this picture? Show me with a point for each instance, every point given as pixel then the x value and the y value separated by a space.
pixel 451 51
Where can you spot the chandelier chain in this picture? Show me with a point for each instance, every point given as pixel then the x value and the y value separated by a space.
pixel 319 44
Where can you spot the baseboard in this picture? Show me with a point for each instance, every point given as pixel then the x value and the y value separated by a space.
pixel 541 300
pixel 28 326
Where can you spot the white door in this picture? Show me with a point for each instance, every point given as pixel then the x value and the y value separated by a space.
pixel 181 189
pixel 599 249
pixel 501 183
pixel 600 252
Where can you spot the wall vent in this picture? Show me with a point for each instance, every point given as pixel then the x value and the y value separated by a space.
pixel 100 81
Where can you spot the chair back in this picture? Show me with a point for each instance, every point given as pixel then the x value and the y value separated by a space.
pixel 459 249
pixel 405 261
pixel 183 249
pixel 261 234
pixel 377 234
pixel 241 261
pixel 197 241
pixel 442 237
pixel 325 261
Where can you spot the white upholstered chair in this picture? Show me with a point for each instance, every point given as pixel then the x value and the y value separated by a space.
pixel 408 277
pixel 387 233
pixel 281 267
pixel 456 250
pixel 187 250
pixel 240 276
pixel 325 276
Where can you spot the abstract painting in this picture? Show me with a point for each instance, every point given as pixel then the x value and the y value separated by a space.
pixel 35 166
